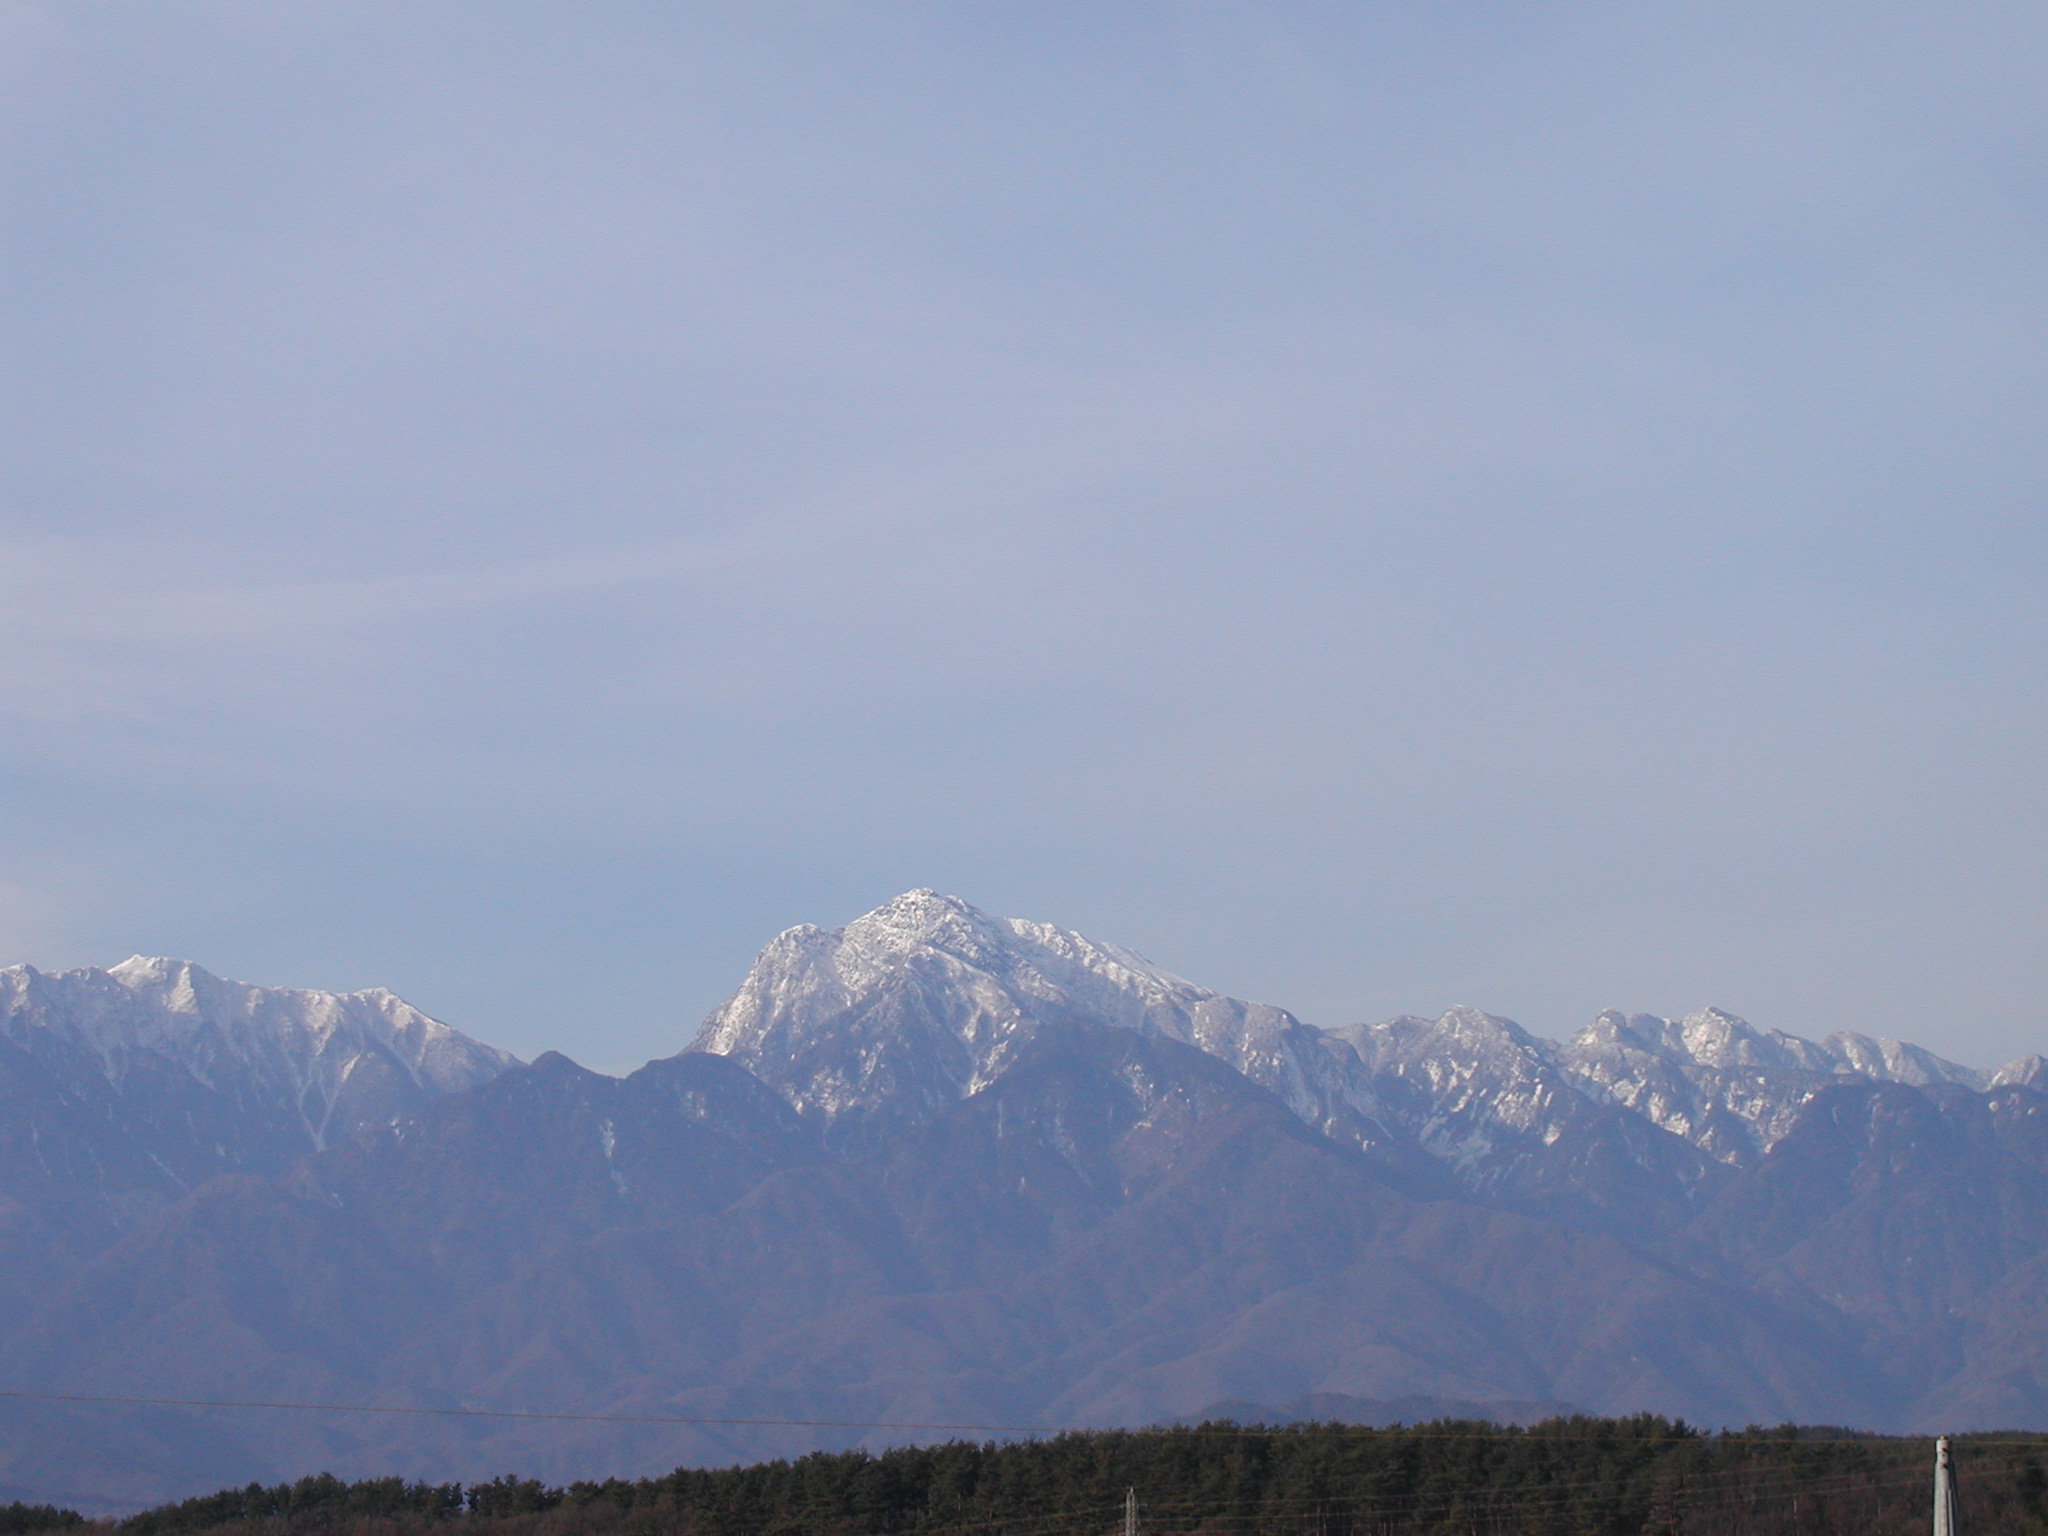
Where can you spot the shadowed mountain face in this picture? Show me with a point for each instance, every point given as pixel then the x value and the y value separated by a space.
pixel 1119 1229
pixel 122 1091
pixel 943 1168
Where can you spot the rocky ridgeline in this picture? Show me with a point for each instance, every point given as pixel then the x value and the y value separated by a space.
pixel 940 1167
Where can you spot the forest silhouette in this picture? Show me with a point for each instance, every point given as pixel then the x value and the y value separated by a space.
pixel 1639 1476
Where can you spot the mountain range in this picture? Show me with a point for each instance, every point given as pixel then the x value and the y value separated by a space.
pixel 939 1168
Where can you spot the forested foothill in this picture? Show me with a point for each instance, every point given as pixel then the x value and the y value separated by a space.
pixel 1641 1476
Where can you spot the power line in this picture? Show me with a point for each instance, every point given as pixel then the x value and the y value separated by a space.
pixel 1259 1515
pixel 1301 1427
pixel 509 1413
pixel 1727 1484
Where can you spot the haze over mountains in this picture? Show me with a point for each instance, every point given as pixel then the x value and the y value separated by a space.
pixel 939 1167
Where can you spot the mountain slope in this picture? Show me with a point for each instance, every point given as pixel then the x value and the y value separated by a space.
pixel 1650 1129
pixel 926 999
pixel 1118 1228
pixel 121 1090
pixel 212 1074
pixel 938 1167
pixel 1904 1214
pixel 1512 1125
pixel 1636 1120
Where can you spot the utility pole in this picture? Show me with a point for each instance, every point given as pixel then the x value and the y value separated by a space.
pixel 1944 1491
pixel 1131 1513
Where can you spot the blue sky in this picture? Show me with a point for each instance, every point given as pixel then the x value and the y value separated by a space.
pixel 1375 506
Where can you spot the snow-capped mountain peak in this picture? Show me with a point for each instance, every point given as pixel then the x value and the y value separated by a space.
pixel 1731 1088
pixel 174 1007
pixel 1474 1087
pixel 1720 1040
pixel 2025 1072
pixel 925 919
pixel 306 1066
pixel 996 972
pixel 1896 1061
pixel 927 998
pixel 923 1000
pixel 1460 1040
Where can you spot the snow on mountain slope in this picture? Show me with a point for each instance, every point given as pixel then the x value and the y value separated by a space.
pixel 122 1091
pixel 1712 1078
pixel 1473 1075
pixel 1895 1061
pixel 2025 1072
pixel 1501 1113
pixel 1734 1090
pixel 926 999
pixel 318 1064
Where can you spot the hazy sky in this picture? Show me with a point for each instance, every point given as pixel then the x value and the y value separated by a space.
pixel 1373 505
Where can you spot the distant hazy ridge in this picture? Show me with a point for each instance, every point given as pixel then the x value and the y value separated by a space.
pixel 943 1167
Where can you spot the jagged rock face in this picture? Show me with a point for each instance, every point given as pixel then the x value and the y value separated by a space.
pixel 939 1166
pixel 1735 1091
pixel 1504 1115
pixel 159 1064
pixel 1711 1078
pixel 927 999
pixel 123 1090
pixel 1471 1068
pixel 1894 1061
pixel 1637 1119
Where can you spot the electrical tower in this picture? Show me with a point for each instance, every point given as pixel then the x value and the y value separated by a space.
pixel 1131 1513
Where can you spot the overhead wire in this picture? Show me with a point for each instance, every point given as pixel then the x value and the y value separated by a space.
pixel 1303 1427
pixel 513 1413
pixel 1688 1484
pixel 1260 1517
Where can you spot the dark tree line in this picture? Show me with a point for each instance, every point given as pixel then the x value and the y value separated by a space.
pixel 17 1518
pixel 1643 1476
